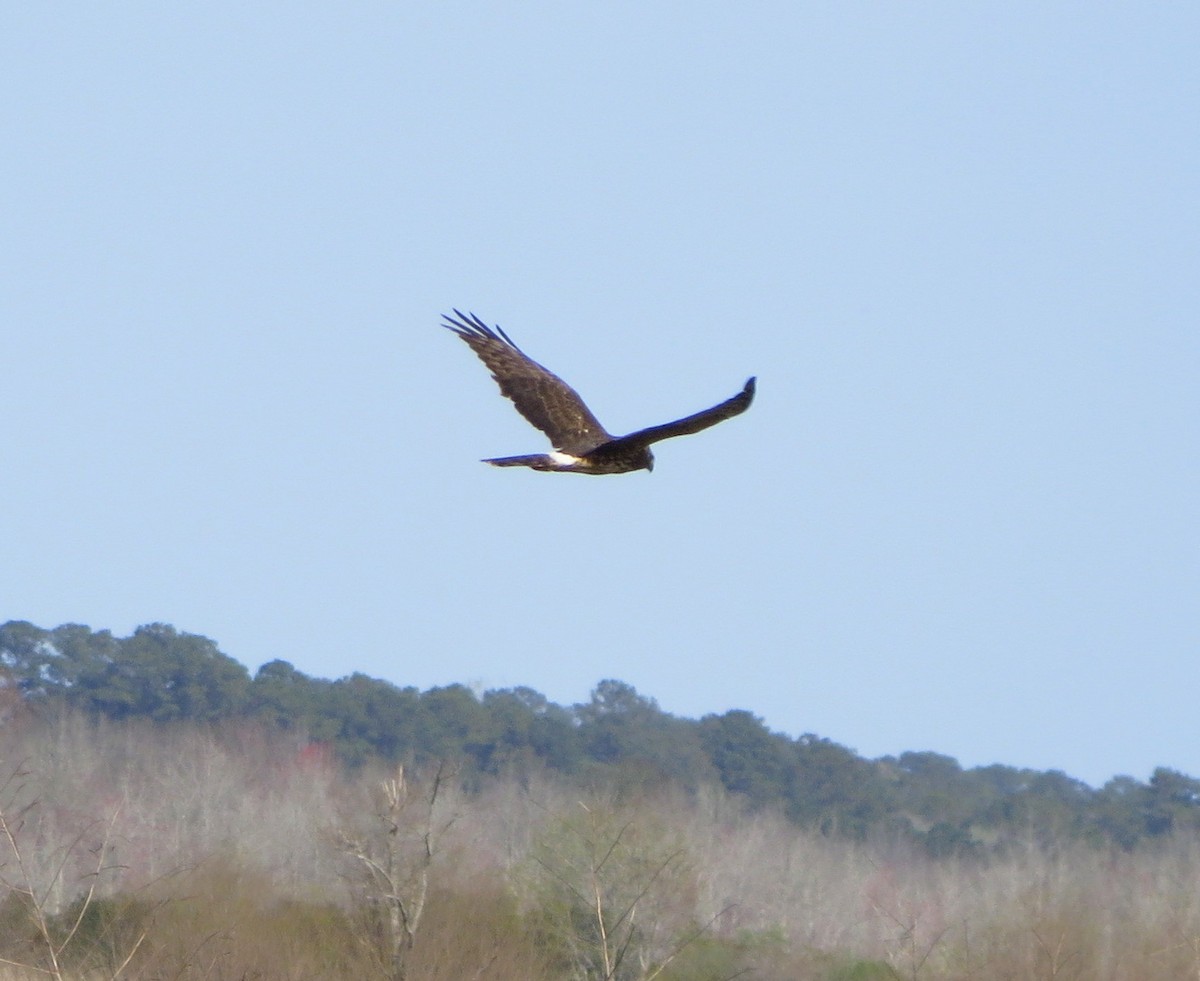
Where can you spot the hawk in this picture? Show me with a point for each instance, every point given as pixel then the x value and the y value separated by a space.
pixel 581 444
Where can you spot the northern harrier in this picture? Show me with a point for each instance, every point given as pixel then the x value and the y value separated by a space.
pixel 581 444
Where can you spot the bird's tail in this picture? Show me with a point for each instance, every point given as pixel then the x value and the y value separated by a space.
pixel 538 461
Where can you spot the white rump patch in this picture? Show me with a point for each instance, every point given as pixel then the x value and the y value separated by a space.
pixel 565 459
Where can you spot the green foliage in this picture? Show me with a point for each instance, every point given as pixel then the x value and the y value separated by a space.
pixel 748 757
pixel 834 790
pixel 619 726
pixel 18 928
pixel 611 888
pixel 945 839
pixel 524 732
pixel 1172 802
pixel 98 934
pixel 156 674
pixel 707 959
pixel 749 954
pixel 862 971
pixel 619 739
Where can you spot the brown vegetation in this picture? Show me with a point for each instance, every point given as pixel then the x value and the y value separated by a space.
pixel 150 851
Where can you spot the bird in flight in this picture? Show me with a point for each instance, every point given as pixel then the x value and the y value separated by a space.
pixel 580 443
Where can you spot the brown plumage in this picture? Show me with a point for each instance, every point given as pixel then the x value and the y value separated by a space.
pixel 581 444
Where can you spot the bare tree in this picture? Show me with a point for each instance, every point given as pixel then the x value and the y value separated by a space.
pixel 51 941
pixel 618 895
pixel 394 849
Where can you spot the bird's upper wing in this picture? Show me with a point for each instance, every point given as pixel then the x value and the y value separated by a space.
pixel 693 423
pixel 540 396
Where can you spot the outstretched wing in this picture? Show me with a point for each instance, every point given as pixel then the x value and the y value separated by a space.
pixel 540 396
pixel 694 423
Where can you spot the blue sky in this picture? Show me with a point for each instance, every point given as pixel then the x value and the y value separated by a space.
pixel 957 243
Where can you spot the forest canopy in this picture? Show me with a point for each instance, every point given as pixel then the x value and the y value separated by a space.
pixel 619 737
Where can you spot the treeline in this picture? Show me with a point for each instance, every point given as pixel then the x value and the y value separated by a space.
pixel 618 738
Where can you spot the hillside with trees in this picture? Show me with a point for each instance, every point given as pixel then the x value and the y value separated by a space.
pixel 163 813
pixel 159 674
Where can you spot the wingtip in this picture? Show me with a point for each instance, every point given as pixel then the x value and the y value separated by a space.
pixel 469 326
pixel 465 321
pixel 749 387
